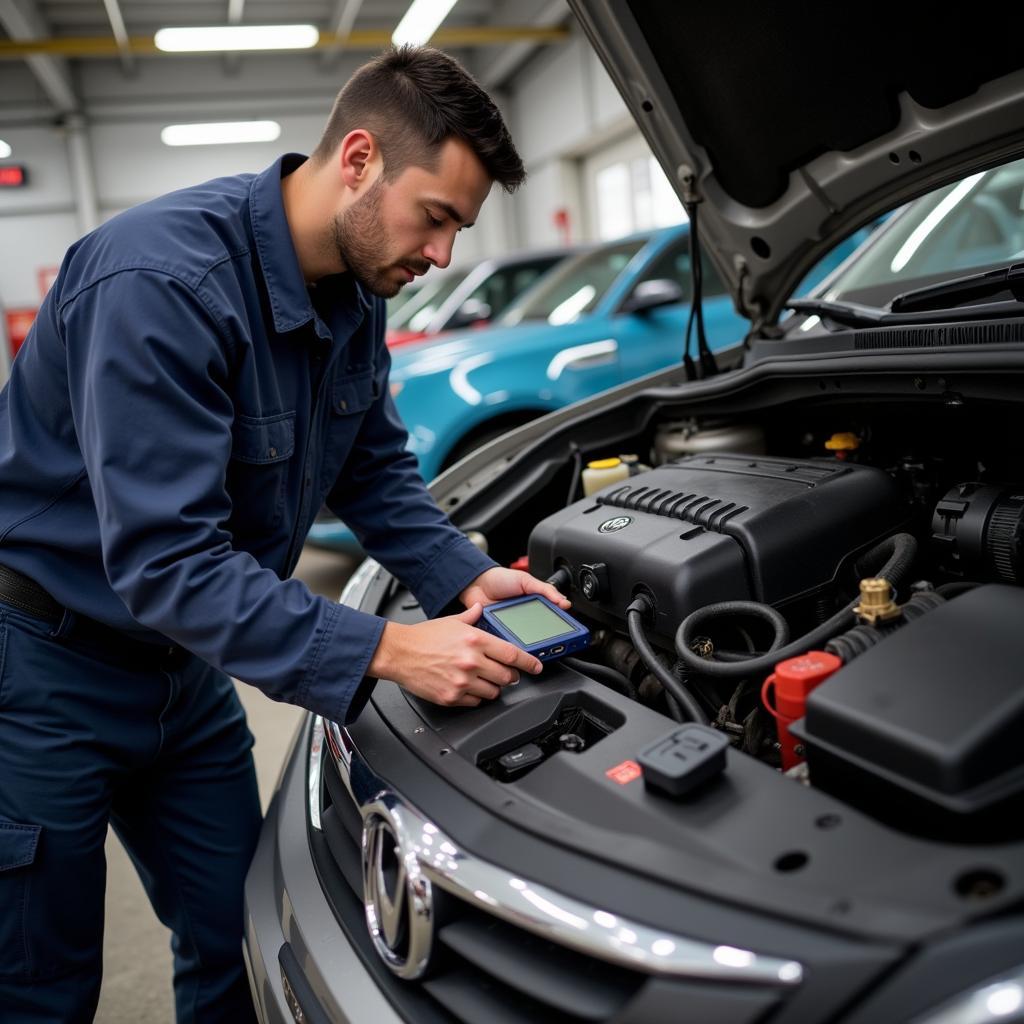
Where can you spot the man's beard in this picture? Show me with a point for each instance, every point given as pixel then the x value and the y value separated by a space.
pixel 362 243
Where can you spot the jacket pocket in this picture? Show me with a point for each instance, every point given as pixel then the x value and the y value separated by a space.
pixel 18 845
pixel 263 440
pixel 353 392
pixel 257 475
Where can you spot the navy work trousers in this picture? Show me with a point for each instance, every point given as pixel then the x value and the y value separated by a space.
pixel 159 747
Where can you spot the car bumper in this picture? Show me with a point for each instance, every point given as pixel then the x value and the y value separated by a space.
pixel 292 938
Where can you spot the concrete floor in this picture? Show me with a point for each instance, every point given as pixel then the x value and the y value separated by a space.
pixel 136 948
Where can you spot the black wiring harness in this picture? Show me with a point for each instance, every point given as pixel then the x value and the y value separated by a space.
pixel 891 560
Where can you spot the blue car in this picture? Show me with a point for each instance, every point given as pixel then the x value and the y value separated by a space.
pixel 603 317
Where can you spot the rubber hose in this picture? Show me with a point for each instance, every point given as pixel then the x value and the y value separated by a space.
pixel 634 621
pixel 611 677
pixel 560 579
pixel 856 641
pixel 899 551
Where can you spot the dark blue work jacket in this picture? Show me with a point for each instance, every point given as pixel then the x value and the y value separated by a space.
pixel 179 412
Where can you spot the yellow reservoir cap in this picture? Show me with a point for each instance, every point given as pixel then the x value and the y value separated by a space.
pixel 603 473
pixel 843 443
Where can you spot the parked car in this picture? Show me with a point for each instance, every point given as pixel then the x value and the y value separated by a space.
pixel 600 318
pixel 785 782
pixel 471 297
pixel 407 294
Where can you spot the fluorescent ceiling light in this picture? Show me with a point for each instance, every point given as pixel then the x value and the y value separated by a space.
pixel 5 150
pixel 237 37
pixel 420 21
pixel 219 133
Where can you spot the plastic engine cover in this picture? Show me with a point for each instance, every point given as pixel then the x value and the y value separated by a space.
pixel 709 528
pixel 924 729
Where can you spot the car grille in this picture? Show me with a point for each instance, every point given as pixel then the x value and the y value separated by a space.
pixel 489 970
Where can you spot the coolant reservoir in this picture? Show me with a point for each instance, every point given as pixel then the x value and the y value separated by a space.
pixel 602 473
pixel 687 438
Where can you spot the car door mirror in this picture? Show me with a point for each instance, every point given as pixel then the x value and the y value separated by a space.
pixel 472 311
pixel 651 294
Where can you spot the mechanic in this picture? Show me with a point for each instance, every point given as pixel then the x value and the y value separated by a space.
pixel 208 369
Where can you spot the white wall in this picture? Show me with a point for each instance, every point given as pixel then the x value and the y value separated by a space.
pixel 563 106
pixel 37 221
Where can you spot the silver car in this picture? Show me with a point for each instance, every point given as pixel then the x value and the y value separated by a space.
pixel 785 781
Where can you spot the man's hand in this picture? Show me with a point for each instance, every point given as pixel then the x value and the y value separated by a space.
pixel 497 584
pixel 448 660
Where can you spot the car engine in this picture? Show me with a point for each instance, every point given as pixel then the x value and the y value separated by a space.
pixel 707 528
pixel 772 600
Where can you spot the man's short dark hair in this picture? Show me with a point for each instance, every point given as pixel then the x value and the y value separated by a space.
pixel 414 98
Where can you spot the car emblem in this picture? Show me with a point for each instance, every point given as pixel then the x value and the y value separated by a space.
pixel 614 525
pixel 398 898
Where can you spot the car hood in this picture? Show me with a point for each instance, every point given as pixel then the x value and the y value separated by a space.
pixel 792 125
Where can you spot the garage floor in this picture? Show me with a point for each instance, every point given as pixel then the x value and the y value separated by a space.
pixel 136 949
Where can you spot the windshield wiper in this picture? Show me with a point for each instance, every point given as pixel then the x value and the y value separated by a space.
pixel 963 289
pixel 935 303
pixel 848 314
pixel 852 314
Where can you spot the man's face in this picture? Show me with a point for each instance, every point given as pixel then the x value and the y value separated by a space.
pixel 398 230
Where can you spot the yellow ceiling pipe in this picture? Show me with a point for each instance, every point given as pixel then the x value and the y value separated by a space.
pixel 364 39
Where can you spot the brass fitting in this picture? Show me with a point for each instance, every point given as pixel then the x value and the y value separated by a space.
pixel 876 603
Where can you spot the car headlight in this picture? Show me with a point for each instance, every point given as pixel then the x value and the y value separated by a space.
pixel 358 583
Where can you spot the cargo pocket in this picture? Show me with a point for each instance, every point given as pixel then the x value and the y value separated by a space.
pixel 261 447
pixel 18 844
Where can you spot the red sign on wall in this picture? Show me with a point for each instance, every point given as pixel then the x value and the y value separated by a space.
pixel 19 322
pixel 12 175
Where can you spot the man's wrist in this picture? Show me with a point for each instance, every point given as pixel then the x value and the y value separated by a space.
pixel 385 657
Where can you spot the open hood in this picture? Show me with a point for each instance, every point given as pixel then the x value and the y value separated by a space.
pixel 794 124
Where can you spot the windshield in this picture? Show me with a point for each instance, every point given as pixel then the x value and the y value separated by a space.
pixel 421 308
pixel 964 228
pixel 575 287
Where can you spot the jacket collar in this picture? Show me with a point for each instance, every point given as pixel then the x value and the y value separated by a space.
pixel 289 297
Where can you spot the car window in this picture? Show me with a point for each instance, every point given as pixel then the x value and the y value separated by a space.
pixel 674 265
pixel 420 310
pixel 507 283
pixel 575 287
pixel 960 229
pixel 406 295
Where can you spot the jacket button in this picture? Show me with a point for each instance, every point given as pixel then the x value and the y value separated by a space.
pixel 342 405
pixel 272 453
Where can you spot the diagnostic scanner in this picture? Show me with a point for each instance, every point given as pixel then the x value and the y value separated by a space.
pixel 535 624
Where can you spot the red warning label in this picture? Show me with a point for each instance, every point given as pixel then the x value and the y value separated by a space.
pixel 624 773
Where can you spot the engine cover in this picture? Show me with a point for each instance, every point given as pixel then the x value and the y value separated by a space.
pixel 709 528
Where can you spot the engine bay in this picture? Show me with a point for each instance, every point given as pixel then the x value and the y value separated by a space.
pixel 813 534
pixel 855 768
pixel 710 563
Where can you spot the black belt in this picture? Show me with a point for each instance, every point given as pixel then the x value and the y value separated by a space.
pixel 26 595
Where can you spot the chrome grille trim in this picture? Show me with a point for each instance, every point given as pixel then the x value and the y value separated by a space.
pixel 315 774
pixel 538 909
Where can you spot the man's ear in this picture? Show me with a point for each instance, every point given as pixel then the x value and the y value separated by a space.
pixel 356 156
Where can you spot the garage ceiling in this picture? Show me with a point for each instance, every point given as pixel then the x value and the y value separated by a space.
pixel 64 56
